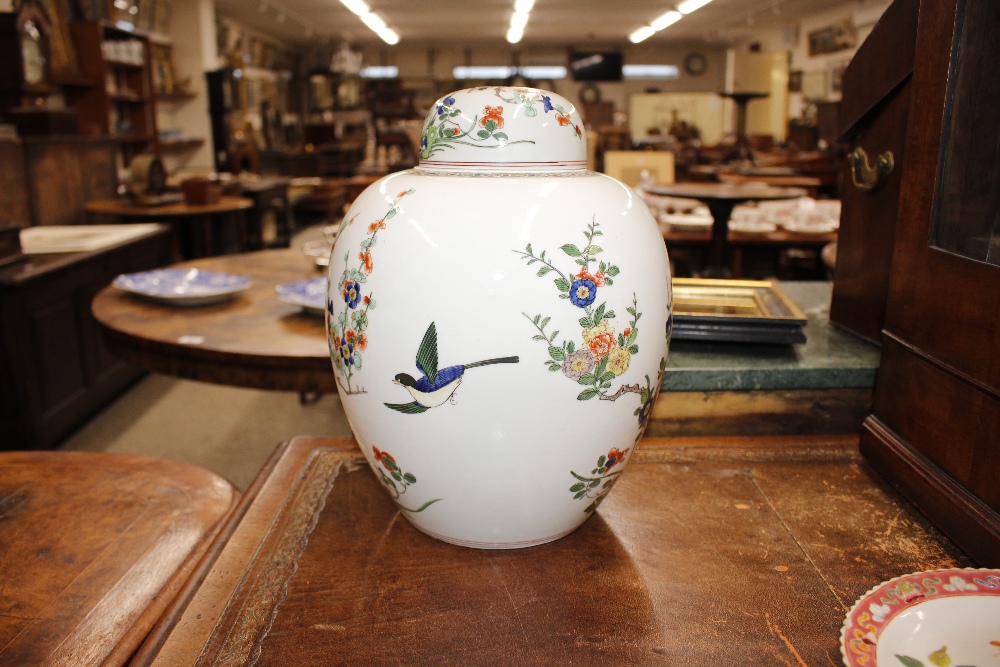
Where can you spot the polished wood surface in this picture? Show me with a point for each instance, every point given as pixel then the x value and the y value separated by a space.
pixel 93 547
pixel 934 430
pixel 740 242
pixel 689 561
pixel 251 340
pixel 721 199
pixel 126 208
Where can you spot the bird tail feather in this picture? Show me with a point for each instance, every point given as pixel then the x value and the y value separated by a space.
pixel 488 362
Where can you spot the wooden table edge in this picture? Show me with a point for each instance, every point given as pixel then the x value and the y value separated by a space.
pixel 297 449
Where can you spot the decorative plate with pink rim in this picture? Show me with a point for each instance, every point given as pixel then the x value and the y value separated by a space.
pixel 938 618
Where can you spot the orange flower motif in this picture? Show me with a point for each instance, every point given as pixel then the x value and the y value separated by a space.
pixel 375 226
pixel 362 342
pixel 350 336
pixel 624 333
pixel 602 344
pixel 563 120
pixel 367 300
pixel 401 194
pixel 382 457
pixel 494 114
pixel 366 258
pixel 615 456
pixel 598 279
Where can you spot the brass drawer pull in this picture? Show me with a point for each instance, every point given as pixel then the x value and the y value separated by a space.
pixel 866 176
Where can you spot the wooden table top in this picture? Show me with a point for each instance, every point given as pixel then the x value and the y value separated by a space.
pixel 779 237
pixel 725 191
pixel 252 340
pixel 123 206
pixel 93 547
pixel 688 561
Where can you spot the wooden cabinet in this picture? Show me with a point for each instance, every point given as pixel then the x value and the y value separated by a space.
pixel 55 370
pixel 935 429
pixel 79 169
pixel 120 102
pixel 873 116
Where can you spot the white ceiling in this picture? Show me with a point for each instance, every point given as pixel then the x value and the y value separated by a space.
pixel 460 23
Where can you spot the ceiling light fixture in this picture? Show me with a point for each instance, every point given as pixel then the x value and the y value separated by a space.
pixel 519 20
pixel 642 33
pixel 372 20
pixel 667 19
pixel 689 6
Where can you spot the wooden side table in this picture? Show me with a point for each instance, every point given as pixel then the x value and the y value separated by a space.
pixel 93 548
pixel 199 229
pixel 689 561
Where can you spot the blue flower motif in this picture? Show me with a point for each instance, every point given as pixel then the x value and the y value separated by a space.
pixel 329 307
pixel 446 102
pixel 423 142
pixel 346 351
pixel 351 293
pixel 582 292
pixel 547 103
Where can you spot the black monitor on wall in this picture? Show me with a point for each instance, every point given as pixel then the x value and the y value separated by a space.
pixel 595 65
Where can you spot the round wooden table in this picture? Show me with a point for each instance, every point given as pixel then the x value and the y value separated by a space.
pixel 721 199
pixel 196 234
pixel 251 340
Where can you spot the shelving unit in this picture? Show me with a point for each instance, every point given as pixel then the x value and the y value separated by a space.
pixel 114 97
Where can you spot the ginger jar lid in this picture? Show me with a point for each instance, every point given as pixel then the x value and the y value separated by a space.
pixel 498 128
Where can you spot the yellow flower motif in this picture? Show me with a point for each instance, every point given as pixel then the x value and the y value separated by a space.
pixel 618 361
pixel 591 334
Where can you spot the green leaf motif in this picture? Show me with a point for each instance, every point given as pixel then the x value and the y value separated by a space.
pixel 587 394
pixel 576 487
pixel 396 476
pixel 571 250
pixel 562 284
pixel 483 134
pixel 490 125
pixel 409 478
pixel 593 250
pixel 502 136
pixel 542 271
pixel 909 662
pixel 613 270
pixel 391 214
pixel 557 353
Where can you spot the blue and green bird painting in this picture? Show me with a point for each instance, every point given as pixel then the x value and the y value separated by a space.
pixel 434 387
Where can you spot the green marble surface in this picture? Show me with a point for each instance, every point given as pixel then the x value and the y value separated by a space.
pixel 829 359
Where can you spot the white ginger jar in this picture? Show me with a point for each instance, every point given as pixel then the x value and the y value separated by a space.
pixel 499 318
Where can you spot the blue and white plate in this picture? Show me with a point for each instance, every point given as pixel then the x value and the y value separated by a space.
pixel 309 294
pixel 183 287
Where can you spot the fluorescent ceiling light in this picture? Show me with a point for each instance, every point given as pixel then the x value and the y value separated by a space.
pixel 543 72
pixel 514 35
pixel 388 36
pixel 356 6
pixel 373 21
pixel 383 72
pixel 650 71
pixel 523 6
pixel 518 21
pixel 496 72
pixel 689 6
pixel 642 33
pixel 667 19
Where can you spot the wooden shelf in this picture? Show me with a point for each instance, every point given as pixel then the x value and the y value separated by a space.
pixel 127 97
pixel 180 144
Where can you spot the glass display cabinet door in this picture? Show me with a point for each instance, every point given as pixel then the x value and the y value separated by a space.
pixel 935 427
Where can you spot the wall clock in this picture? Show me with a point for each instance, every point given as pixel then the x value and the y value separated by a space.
pixel 695 63
pixel 24 42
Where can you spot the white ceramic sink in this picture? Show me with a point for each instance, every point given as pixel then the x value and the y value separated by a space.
pixel 79 238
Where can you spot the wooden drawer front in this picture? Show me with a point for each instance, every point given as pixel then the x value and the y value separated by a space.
pixel 868 225
pixel 955 426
